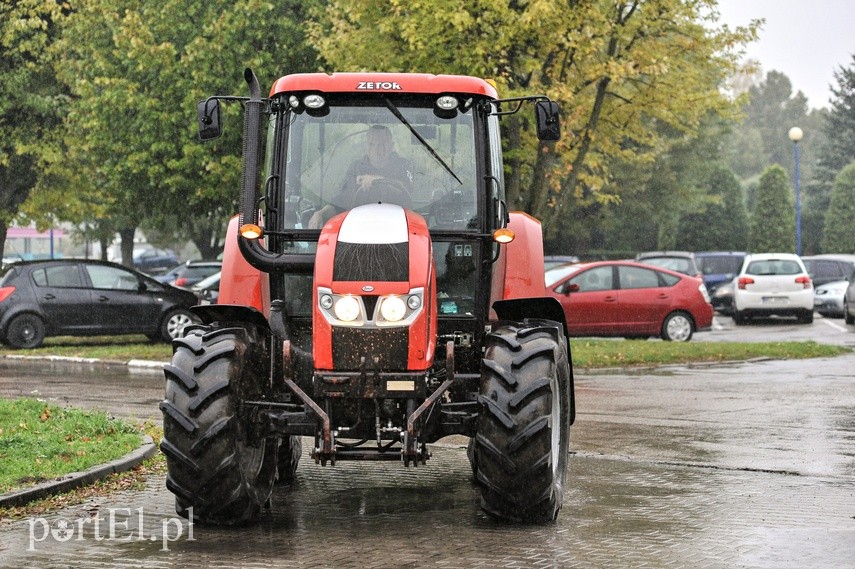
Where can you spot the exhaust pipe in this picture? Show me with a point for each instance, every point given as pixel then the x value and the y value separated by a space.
pixel 251 144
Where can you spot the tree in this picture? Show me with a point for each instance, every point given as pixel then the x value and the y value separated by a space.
pixel 773 226
pixel 723 225
pixel 137 70
pixel 619 69
pixel 840 219
pixel 760 139
pixel 30 98
pixel 836 151
pixel 839 124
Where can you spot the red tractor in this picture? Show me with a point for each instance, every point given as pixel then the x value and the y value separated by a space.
pixel 377 295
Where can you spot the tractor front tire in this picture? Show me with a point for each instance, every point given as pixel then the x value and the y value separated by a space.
pixel 520 450
pixel 217 474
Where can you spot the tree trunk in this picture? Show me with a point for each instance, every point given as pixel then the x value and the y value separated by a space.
pixel 3 229
pixel 127 245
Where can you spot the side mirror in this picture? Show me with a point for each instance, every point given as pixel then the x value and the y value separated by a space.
pixel 142 287
pixel 208 115
pixel 546 115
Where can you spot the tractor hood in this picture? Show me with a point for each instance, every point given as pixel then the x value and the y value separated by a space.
pixel 374 291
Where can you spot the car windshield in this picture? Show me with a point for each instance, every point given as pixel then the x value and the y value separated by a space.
pixel 552 276
pixel 368 151
pixel 773 267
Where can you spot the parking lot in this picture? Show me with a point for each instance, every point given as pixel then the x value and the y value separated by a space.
pixel 738 465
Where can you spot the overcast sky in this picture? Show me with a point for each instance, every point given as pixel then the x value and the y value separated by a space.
pixel 807 40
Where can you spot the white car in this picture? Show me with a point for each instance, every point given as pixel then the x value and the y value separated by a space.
pixel 829 298
pixel 773 283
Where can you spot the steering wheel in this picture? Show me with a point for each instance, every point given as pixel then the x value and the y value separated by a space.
pixel 384 190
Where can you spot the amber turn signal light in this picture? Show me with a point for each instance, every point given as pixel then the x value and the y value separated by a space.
pixel 503 235
pixel 250 231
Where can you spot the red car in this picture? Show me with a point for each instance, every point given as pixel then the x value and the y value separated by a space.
pixel 624 298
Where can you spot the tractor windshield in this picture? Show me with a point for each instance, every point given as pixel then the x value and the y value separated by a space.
pixel 399 151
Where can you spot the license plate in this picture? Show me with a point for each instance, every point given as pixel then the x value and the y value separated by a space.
pixel 774 299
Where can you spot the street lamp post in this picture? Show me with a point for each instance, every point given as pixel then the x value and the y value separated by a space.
pixel 796 135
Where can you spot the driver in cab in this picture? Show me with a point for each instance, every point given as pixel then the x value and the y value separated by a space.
pixel 380 175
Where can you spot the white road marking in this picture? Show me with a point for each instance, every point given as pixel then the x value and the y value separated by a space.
pixel 834 325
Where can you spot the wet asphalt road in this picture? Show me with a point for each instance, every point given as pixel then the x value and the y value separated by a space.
pixel 740 465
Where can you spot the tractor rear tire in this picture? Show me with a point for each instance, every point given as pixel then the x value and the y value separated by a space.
pixel 290 450
pixel 217 474
pixel 520 450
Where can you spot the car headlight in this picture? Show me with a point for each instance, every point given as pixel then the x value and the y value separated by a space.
pixel 392 309
pixel 346 309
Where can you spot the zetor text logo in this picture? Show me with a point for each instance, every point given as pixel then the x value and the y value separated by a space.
pixel 378 86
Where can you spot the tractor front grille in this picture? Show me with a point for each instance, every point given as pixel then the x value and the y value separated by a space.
pixel 371 262
pixel 389 345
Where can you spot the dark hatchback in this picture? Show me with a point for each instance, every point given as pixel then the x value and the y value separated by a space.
pixel 78 297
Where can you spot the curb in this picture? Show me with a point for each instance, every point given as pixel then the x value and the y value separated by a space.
pixel 153 365
pixel 77 479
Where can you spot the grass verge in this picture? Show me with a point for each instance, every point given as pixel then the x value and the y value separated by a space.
pixel 588 353
pixel 113 348
pixel 39 442
pixel 93 495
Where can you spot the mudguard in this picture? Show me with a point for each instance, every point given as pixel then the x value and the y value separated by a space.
pixel 519 290
pixel 242 284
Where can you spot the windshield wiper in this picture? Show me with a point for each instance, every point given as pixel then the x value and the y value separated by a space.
pixel 424 142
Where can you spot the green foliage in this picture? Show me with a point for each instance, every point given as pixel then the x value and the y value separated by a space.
pixel 840 219
pixel 30 98
pixel 137 70
pixel 624 73
pixel 773 225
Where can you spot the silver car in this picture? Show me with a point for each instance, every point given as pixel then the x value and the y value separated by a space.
pixel 828 298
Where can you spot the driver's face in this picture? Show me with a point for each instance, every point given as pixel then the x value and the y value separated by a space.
pixel 378 147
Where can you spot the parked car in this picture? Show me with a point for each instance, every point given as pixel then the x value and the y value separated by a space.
pixel 154 261
pixel 828 268
pixel 78 297
pixel 828 298
pixel 722 298
pixel 208 289
pixel 191 272
pixel 680 261
pixel 773 284
pixel 552 261
pixel 849 301
pixel 718 267
pixel 624 298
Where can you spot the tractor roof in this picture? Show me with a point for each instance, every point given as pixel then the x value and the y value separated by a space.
pixel 383 82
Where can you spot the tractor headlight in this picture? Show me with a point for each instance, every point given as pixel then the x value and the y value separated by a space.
pixel 346 309
pixel 392 309
pixel 352 310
